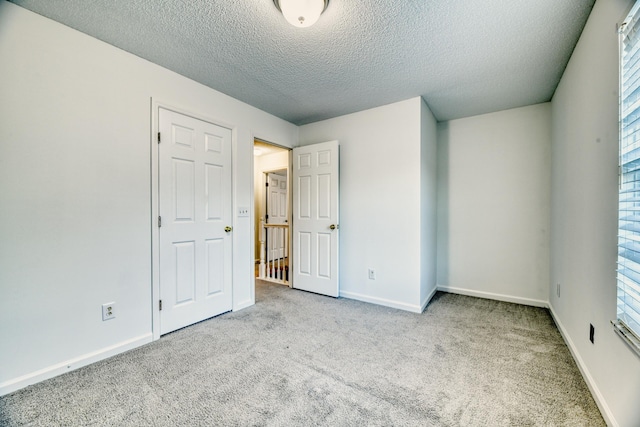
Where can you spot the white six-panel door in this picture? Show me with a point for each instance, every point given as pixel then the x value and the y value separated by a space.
pixel 194 207
pixel 315 218
pixel 277 198
pixel 277 211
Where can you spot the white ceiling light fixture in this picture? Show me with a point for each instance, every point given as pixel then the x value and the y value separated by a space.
pixel 301 13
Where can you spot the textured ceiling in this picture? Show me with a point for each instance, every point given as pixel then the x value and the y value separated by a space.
pixel 463 57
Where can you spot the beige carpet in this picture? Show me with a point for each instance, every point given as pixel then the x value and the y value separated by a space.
pixel 301 359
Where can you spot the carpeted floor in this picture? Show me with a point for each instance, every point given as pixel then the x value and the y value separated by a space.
pixel 301 359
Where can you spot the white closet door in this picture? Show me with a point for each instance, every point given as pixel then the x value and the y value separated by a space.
pixel 195 207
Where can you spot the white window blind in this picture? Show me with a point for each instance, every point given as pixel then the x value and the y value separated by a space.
pixel 628 277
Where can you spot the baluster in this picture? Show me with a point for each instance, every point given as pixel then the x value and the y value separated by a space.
pixel 279 246
pixel 270 251
pixel 262 249
pixel 286 254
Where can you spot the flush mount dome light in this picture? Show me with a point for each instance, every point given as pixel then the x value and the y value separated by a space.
pixel 301 13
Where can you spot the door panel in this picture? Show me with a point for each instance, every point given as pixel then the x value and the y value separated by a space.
pixel 324 196
pixel 185 273
pixel 195 206
pixel 315 218
pixel 215 275
pixel 304 197
pixel 184 191
pixel 324 255
pixel 214 191
pixel 304 253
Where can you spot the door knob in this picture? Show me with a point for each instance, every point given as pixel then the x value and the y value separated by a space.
pixel 334 226
pixel 228 229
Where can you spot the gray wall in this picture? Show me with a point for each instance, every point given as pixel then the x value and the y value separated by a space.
pixel 428 202
pixel 380 201
pixel 493 205
pixel 584 215
pixel 75 193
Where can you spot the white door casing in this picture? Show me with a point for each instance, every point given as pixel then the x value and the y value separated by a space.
pixel 195 259
pixel 316 218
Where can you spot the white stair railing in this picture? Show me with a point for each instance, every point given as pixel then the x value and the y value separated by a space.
pixel 274 252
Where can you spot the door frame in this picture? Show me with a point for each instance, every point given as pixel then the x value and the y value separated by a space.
pixel 155 199
pixel 263 179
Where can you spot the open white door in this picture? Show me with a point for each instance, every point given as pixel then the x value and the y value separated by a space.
pixel 195 220
pixel 315 218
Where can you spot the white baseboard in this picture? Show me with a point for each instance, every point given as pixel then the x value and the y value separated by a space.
pixel 494 296
pixel 381 301
pixel 428 299
pixel 72 364
pixel 595 391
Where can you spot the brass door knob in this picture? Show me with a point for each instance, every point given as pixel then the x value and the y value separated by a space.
pixel 334 226
pixel 228 229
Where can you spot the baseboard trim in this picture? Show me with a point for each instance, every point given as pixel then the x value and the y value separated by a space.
pixel 494 296
pixel 595 391
pixel 381 301
pixel 73 364
pixel 427 300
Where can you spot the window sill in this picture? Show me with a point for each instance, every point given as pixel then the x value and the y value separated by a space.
pixel 627 336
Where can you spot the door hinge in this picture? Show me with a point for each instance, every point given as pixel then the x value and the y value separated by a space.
pixel 160 304
pixel 158 137
pixel 159 221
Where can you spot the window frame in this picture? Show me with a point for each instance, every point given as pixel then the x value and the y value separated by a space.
pixel 627 323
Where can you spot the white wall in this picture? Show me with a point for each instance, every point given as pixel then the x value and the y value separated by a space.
pixel 584 215
pixel 75 202
pixel 493 205
pixel 380 201
pixel 428 203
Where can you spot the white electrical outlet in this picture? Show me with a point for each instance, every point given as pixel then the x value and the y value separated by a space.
pixel 108 311
pixel 372 274
pixel 243 211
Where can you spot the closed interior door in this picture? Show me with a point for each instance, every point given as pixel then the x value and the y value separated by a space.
pixel 195 207
pixel 315 218
pixel 277 210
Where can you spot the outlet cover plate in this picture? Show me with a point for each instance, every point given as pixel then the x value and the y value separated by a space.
pixel 108 311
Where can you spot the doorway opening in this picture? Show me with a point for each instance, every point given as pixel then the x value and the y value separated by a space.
pixel 272 239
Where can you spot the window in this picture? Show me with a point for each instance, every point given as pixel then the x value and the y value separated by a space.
pixel 628 277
